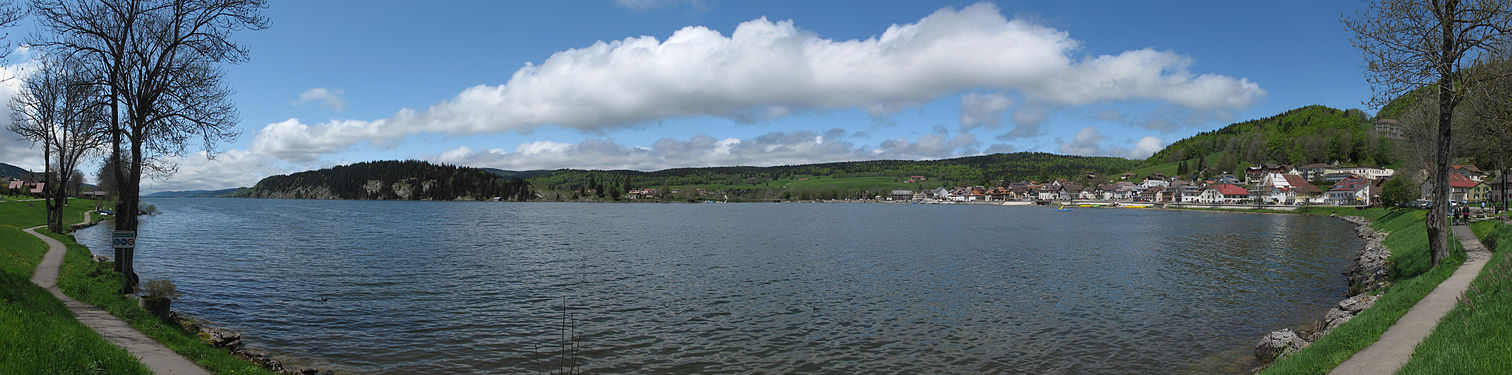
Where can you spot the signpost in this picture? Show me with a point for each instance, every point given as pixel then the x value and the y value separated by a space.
pixel 123 239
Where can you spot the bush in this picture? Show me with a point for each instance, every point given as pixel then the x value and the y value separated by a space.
pixel 1398 190
pixel 159 290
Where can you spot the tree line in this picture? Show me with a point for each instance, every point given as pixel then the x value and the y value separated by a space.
pixel 394 180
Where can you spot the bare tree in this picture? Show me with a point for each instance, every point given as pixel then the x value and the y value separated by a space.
pixel 59 108
pixel 158 59
pixel 1416 43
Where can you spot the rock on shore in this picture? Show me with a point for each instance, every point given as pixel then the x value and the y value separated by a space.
pixel 230 341
pixel 1366 274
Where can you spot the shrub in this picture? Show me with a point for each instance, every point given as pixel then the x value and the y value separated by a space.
pixel 159 290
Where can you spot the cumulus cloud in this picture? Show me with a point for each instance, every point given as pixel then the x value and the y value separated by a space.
pixel 767 69
pixel 330 99
pixel 1088 141
pixel 13 149
pixel 985 110
pixel 230 169
pixel 777 148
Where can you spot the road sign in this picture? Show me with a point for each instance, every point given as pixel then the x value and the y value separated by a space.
pixel 123 239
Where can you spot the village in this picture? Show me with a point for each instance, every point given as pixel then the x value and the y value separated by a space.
pixel 1273 186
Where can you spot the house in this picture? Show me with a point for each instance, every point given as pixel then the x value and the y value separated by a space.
pixel 1470 171
pixel 996 194
pixel 1369 173
pixel 900 195
pixel 1497 195
pixel 1255 173
pixel 1287 189
pixel 1349 192
pixel 1068 191
pixel 1089 193
pixel 939 193
pixel 1315 171
pixel 1224 194
pixel 1048 192
pixel 1107 191
pixel 1153 181
pixel 1391 128
pixel 1126 176
pixel 1185 192
pixel 642 194
pixel 1462 188
pixel 976 193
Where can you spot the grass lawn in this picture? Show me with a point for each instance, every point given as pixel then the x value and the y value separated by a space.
pixel 38 335
pixel 1411 280
pixel 1476 337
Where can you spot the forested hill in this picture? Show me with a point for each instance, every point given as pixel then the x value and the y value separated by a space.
pixel 1311 134
pixel 11 171
pixel 857 178
pixel 393 180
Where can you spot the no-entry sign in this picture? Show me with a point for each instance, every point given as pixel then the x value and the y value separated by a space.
pixel 123 239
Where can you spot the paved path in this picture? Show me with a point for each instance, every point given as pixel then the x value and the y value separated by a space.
pixel 1395 347
pixel 157 357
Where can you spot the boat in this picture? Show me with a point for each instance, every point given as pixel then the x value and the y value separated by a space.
pixel 1063 209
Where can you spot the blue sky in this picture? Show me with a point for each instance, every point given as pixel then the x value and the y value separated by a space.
pixel 653 84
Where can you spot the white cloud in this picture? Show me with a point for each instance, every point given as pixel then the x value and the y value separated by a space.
pixel 985 110
pixel 1088 141
pixel 230 169
pixel 294 141
pixel 13 149
pixel 330 99
pixel 765 69
pixel 778 148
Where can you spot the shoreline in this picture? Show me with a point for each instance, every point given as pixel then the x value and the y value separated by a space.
pixel 1366 274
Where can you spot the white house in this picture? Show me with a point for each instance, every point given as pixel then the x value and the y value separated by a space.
pixel 1349 192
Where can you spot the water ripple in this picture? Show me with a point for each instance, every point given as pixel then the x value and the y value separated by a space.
pixel 453 287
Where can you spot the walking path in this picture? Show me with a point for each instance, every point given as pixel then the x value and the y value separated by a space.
pixel 1395 347
pixel 156 356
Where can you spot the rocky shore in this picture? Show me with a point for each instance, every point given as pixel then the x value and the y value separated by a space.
pixel 230 341
pixel 1366 274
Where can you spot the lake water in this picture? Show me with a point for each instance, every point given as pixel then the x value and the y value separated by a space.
pixel 479 287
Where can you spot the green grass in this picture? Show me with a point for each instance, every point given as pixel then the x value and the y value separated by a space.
pixel 38 335
pixel 1411 280
pixel 1476 337
pixel 31 214
pixel 96 283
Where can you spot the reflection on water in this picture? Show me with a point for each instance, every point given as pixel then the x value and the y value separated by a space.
pixel 464 287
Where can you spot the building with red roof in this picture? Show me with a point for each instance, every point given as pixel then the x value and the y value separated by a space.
pixel 1224 193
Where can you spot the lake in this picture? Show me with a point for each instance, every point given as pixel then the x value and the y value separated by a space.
pixel 479 287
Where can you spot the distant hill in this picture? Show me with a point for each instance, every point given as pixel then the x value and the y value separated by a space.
pixel 391 180
pixel 1311 134
pixel 223 193
pixel 11 171
pixel 520 174
pixel 858 179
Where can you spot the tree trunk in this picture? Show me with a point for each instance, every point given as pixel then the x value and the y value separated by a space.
pixel 1438 217
pixel 49 185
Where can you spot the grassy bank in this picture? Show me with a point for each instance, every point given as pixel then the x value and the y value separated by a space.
pixel 38 335
pixel 96 284
pixel 1476 337
pixel 1411 279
